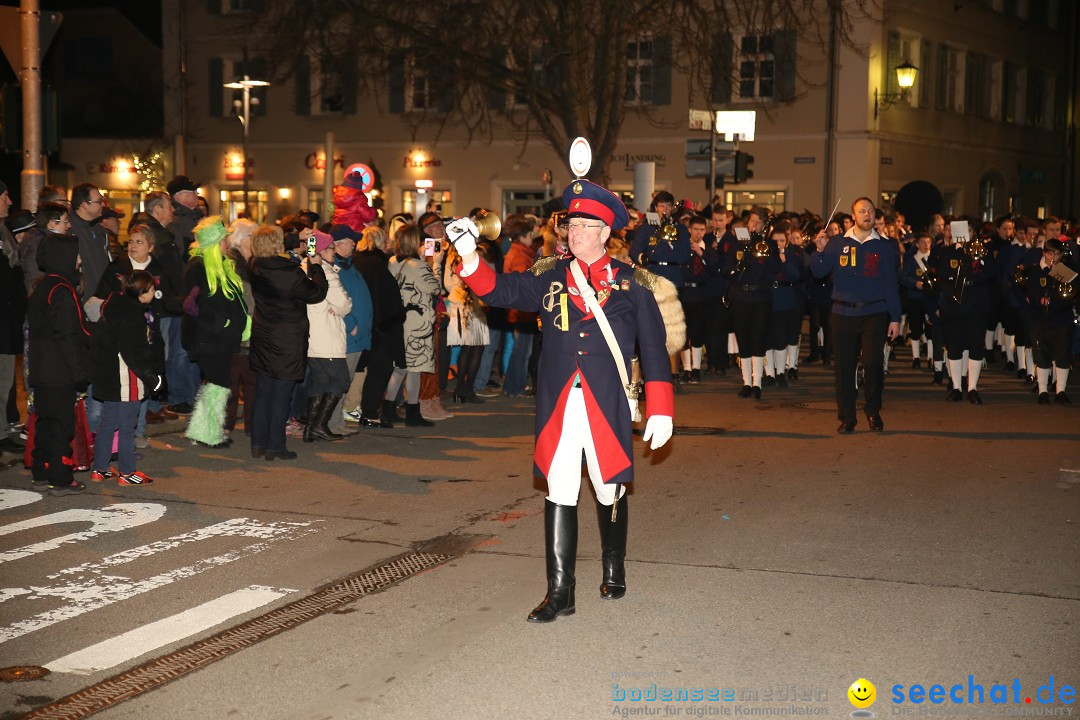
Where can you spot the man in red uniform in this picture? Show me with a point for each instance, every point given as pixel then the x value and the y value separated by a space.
pixel 581 405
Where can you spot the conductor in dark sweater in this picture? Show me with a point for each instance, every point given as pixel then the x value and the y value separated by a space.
pixel 865 311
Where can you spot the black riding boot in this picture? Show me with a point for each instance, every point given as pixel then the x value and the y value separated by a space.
pixel 388 414
pixel 613 546
pixel 560 537
pixel 312 418
pixel 413 418
pixel 320 427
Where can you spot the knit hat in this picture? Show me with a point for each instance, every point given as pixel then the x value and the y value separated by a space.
pixel 322 241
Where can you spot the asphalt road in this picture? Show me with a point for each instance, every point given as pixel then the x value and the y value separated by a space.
pixel 771 562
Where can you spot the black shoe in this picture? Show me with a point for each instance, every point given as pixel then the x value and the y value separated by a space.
pixel 613 549
pixel 953 395
pixel 916 363
pixel 1062 399
pixel 318 427
pixel 387 414
pixel 685 377
pixel 695 377
pixel 811 358
pixel 746 391
pixel 280 455
pixel 368 422
pixel 793 373
pixel 757 392
pixel 1010 366
pixel 257 452
pixel 876 423
pixel 413 418
pixel 769 381
pixel 846 427
pixel 1029 380
pixel 181 408
pixel 560 540
pixel 973 397
pixel 781 380
pixel 74 488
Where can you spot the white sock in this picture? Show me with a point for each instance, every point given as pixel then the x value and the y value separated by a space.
pixel 695 358
pixel 915 347
pixel 779 361
pixel 1021 357
pixel 732 344
pixel 974 368
pixel 1009 343
pixel 821 337
pixel 1061 378
pixel 956 372
pixel 929 349
pixel 888 352
pixel 686 359
pixel 744 365
pixel 757 369
pixel 939 366
pixel 1030 359
pixel 767 368
pixel 989 341
pixel 793 357
pixel 1043 376
pixel 965 356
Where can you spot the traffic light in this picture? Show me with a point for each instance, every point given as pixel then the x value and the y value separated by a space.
pixel 743 161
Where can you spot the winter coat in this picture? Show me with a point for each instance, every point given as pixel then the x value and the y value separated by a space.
pixel 184 221
pixel 59 338
pixel 326 319
pixel 358 321
pixel 170 256
pixel 28 246
pixel 388 312
pixel 213 324
pixel 418 287
pixel 12 297
pixel 112 281
pixel 93 249
pixel 127 352
pixel 519 258
pixel 279 332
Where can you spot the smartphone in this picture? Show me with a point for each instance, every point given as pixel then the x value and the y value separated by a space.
pixel 311 246
pixel 429 247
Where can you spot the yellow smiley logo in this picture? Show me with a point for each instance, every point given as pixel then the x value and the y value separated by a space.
pixel 862 693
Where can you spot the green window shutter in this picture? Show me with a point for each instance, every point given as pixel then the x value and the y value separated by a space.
pixel 971 85
pixel 216 99
pixel 723 48
pixel 942 77
pixel 397 83
pixel 786 55
pixel 925 77
pixel 892 61
pixel 302 85
pixel 661 70
pixel 349 82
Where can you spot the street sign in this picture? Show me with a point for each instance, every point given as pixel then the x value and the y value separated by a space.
pixel 736 124
pixel 11 34
pixel 699 167
pixel 699 147
pixel 700 120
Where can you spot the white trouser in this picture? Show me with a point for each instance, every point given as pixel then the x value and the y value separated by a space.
pixel 564 477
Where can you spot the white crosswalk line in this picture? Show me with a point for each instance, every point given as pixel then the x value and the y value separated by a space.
pixel 122 648
pixel 17 498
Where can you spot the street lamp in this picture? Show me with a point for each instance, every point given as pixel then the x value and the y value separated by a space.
pixel 244 107
pixel 905 78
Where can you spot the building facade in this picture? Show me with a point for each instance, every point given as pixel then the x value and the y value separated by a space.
pixel 988 120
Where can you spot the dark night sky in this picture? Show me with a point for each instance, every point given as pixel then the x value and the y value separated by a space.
pixel 144 14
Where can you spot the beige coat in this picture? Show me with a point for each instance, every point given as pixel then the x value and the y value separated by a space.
pixel 418 287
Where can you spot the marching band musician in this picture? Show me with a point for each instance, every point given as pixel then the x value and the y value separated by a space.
pixel 692 295
pixel 785 319
pixel 1050 310
pixel 581 404
pixel 866 309
pixel 965 272
pixel 914 279
pixel 752 267
pixel 663 248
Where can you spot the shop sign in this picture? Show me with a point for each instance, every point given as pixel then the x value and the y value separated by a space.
pixel 421 162
pixel 234 167
pixel 315 161
pixel 628 160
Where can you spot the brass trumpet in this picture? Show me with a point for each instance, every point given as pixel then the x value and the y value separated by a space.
pixel 761 248
pixel 487 224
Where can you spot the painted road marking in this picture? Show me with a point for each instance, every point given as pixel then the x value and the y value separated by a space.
pixel 132 644
pixel 17 498
pixel 110 519
pixel 91 586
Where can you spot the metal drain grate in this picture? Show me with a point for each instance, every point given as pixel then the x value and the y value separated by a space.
pixel 159 671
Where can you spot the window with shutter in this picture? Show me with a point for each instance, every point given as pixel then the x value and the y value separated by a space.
pixel 756 63
pixel 723 48
pixel 639 72
pixel 924 79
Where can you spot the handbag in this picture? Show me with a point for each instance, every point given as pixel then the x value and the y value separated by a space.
pixel 588 295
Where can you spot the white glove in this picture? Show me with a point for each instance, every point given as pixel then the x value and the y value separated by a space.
pixel 463 233
pixel 658 429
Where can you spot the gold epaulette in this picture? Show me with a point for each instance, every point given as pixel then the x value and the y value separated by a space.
pixel 544 264
pixel 667 299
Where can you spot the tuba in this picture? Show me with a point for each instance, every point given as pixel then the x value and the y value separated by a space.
pixel 760 245
pixel 1065 291
pixel 1020 277
pixel 975 249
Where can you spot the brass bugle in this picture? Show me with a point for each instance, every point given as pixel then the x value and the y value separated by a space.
pixel 487 223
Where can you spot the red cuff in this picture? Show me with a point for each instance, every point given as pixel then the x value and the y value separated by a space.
pixel 482 280
pixel 659 398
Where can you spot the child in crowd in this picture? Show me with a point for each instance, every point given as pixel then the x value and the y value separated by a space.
pixel 128 360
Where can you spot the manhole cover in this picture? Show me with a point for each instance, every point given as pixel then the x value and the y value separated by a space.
pixel 693 430
pixel 21 673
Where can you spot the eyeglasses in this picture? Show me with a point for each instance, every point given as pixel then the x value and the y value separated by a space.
pixel 571 226
pixel 95 202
